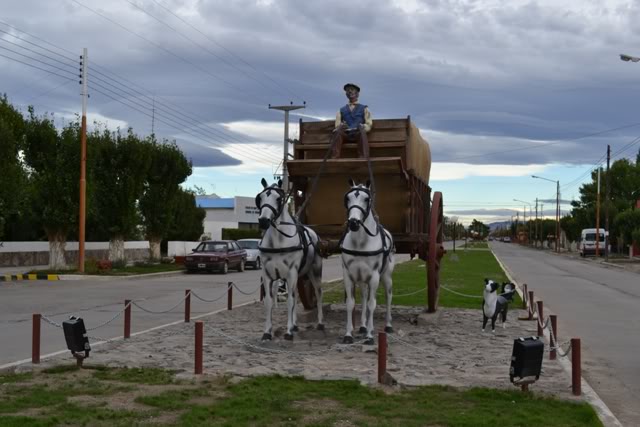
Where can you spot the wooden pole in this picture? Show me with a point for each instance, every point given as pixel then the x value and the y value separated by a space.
pixel 199 346
pixel 230 296
pixel 524 296
pixel 382 356
pixel 576 369
pixel 531 305
pixel 127 318
pixel 598 217
pixel 554 339
pixel 35 339
pixel 540 319
pixel 187 306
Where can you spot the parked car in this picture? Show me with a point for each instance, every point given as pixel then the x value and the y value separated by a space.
pixel 253 253
pixel 220 255
pixel 507 240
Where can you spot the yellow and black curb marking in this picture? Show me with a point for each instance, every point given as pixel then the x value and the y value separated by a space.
pixel 20 277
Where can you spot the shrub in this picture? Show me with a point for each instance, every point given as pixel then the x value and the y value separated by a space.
pixel 104 265
pixel 91 266
pixel 240 233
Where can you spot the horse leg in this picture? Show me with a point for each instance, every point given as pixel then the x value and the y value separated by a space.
pixel 268 306
pixel 348 288
pixel 315 276
pixel 371 306
pixel 291 304
pixel 363 316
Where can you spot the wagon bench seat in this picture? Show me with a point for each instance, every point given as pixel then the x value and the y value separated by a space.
pixel 379 165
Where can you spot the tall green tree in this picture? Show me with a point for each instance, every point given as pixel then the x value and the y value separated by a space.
pixel 159 203
pixel 120 174
pixel 187 223
pixel 53 160
pixel 13 176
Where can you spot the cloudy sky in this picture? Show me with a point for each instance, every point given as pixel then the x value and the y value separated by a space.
pixel 502 90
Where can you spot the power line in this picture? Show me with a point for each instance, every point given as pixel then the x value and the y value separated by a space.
pixel 73 59
pixel 38 60
pixel 239 58
pixel 36 67
pixel 67 64
pixel 204 70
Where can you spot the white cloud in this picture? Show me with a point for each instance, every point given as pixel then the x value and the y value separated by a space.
pixel 457 171
pixel 261 130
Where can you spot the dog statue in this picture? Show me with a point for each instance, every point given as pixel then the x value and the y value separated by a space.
pixel 494 304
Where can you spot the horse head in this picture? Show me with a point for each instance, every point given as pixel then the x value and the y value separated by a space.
pixel 270 201
pixel 357 202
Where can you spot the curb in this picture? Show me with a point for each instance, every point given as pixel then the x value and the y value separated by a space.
pixel 21 277
pixel 590 396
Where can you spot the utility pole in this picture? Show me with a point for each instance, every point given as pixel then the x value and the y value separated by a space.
pixel 606 215
pixel 598 217
pixel 285 158
pixel 83 160
pixel 558 216
pixel 536 225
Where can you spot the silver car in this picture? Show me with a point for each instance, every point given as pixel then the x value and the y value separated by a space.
pixel 253 253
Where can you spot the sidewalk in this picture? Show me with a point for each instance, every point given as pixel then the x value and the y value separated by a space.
pixel 624 263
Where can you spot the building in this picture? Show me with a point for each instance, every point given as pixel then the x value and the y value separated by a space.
pixel 235 212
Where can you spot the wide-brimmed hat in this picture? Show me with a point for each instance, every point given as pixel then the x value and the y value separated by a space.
pixel 348 85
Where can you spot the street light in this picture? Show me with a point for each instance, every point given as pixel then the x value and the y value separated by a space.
pixel 525 216
pixel 557 207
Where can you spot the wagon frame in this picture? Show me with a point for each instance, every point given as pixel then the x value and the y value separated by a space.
pixel 404 199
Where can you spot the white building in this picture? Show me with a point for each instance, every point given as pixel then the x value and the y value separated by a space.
pixel 236 212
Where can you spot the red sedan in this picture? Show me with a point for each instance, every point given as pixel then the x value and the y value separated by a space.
pixel 220 255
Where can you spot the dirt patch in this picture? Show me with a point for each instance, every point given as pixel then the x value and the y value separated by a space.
pixel 446 348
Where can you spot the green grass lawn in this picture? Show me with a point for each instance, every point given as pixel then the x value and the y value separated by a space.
pixel 462 271
pixel 123 271
pixel 102 396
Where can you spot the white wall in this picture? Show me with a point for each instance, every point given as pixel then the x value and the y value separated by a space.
pixel 180 248
pixel 71 246
pixel 214 228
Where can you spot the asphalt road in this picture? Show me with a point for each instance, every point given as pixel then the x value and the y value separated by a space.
pixel 97 301
pixel 600 306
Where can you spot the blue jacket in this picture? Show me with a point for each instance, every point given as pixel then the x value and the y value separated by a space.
pixel 354 118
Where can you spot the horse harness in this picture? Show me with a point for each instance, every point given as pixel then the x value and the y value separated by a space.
pixel 301 231
pixel 379 229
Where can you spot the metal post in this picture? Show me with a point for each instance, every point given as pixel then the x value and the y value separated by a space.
pixel 382 356
pixel 536 225
pixel 531 305
pixel 524 296
pixel 230 296
pixel 285 158
pixel 198 349
pixel 606 215
pixel 83 163
pixel 576 369
pixel 127 318
pixel 554 338
pixel 187 306
pixel 35 339
pixel 558 217
pixel 540 319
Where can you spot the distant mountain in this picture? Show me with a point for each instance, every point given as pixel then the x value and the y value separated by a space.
pixel 501 224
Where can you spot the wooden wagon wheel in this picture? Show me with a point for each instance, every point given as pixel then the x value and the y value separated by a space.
pixel 307 293
pixel 436 251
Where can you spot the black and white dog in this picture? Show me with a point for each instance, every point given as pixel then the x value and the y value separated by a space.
pixel 494 304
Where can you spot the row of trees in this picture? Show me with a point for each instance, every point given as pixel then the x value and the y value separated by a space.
pixel 133 185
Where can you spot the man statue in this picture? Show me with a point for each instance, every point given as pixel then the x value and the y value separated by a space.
pixel 350 120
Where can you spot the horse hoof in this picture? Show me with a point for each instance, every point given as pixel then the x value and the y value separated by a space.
pixel 388 329
pixel 347 339
pixel 320 327
pixel 369 341
pixel 362 330
pixel 266 337
pixel 295 328
pixel 288 337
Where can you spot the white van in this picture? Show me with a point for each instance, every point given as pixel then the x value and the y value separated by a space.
pixel 588 241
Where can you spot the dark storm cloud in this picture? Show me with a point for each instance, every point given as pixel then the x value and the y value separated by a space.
pixel 484 80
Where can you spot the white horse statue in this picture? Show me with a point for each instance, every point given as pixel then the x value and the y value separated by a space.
pixel 288 250
pixel 367 258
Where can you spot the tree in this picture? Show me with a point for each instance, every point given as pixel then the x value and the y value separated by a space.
pixel 13 176
pixel 120 174
pixel 187 221
pixel 53 160
pixel 159 203
pixel 628 223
